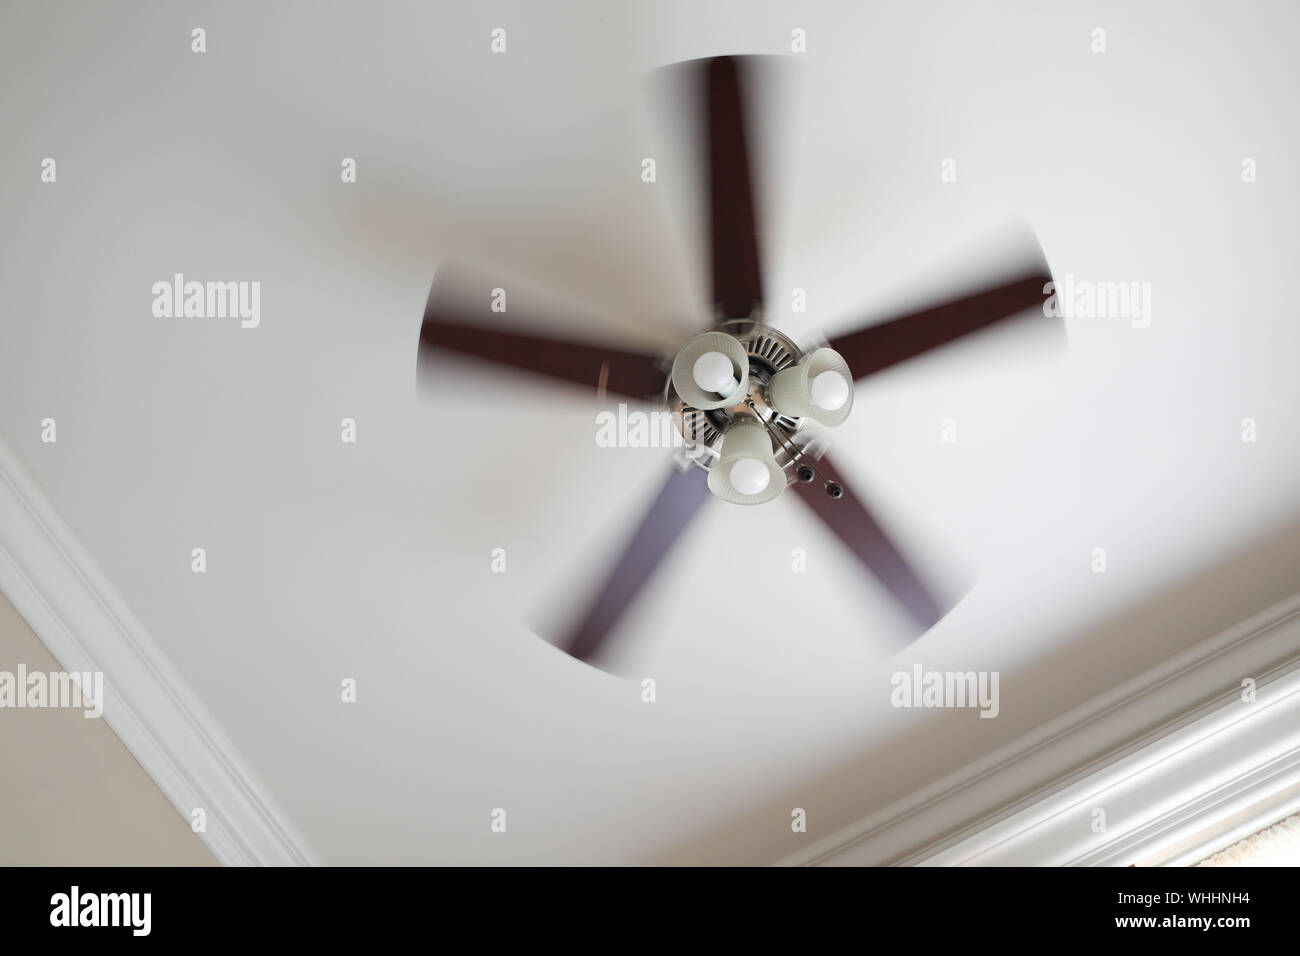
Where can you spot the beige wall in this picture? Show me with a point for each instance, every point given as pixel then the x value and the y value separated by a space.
pixel 70 792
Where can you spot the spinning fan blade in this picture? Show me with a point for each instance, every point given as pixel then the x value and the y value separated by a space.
pixel 884 344
pixel 600 367
pixel 853 523
pixel 737 282
pixel 678 501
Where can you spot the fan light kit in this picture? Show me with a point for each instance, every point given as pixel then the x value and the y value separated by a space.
pixel 746 398
pixel 742 393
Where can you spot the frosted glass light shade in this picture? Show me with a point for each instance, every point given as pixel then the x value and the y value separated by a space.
pixel 685 384
pixel 791 390
pixel 746 449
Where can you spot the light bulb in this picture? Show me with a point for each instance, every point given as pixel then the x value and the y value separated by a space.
pixel 713 372
pixel 749 476
pixel 829 391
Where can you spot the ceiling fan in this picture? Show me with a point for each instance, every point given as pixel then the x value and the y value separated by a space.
pixel 742 392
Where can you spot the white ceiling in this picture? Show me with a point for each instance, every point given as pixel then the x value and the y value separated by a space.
pixel 371 561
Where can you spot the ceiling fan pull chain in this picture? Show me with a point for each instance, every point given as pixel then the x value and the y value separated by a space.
pixel 805 471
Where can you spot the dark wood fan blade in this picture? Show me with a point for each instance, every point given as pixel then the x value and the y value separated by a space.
pixel 678 501
pixel 887 343
pixel 737 281
pixel 850 519
pixel 599 367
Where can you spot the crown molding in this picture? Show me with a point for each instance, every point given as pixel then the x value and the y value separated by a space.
pixel 1163 754
pixel 1223 762
pixel 72 608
